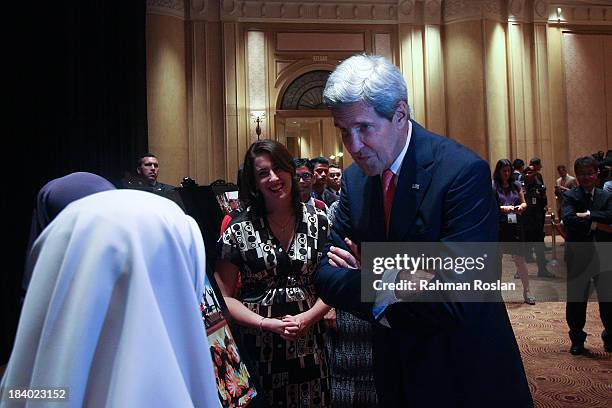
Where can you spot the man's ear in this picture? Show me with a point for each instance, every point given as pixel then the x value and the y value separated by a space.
pixel 401 114
pixel 138 170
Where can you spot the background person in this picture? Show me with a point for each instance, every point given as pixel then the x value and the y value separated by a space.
pixel 148 171
pixel 350 356
pixel 564 183
pixel 518 166
pixel 334 179
pixel 320 169
pixel 586 215
pixel 112 311
pixel 534 217
pixel 511 202
pixel 305 178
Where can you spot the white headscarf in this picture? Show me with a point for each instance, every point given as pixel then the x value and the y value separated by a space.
pixel 112 311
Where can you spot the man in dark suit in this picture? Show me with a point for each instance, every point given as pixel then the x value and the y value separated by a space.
pixel 587 215
pixel 409 185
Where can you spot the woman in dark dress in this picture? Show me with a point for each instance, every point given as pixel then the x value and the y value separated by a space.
pixel 351 367
pixel 275 245
pixel 511 202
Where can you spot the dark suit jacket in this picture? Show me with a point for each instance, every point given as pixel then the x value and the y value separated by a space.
pixel 436 354
pixel 579 229
pixel 580 249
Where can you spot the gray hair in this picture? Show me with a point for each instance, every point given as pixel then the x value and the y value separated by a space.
pixel 367 78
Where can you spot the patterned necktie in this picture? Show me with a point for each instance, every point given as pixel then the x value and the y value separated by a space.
pixel 388 183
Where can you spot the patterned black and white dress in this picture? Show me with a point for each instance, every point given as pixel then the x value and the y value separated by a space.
pixel 276 283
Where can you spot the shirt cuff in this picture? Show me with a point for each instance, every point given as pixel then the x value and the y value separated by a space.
pixel 593 225
pixel 383 320
pixel 385 298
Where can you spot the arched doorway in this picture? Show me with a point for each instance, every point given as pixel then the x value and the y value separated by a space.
pixel 304 124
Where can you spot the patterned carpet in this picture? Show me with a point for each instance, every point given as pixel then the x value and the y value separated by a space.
pixel 556 378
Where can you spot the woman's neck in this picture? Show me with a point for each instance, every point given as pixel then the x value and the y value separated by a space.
pixel 279 209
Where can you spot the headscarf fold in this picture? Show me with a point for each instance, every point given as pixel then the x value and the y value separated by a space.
pixel 112 311
pixel 54 196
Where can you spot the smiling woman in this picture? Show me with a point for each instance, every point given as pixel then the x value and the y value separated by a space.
pixel 275 246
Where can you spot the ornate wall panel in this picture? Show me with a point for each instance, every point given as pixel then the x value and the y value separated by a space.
pixel 257 83
pixel 361 12
pixel 465 91
pixel 313 41
pixel 174 8
pixel 468 10
pixel 167 96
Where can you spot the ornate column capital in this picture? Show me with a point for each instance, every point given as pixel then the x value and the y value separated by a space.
pixel 204 10
pixel 540 11
pixel 407 11
pixel 518 11
pixel 313 11
pixel 469 10
pixel 174 8
pixel 432 12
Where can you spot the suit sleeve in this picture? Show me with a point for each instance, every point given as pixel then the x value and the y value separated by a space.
pixel 603 215
pixel 341 287
pixel 470 209
pixel 470 215
pixel 575 226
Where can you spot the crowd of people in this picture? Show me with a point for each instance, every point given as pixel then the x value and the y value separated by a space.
pixel 585 217
pixel 112 306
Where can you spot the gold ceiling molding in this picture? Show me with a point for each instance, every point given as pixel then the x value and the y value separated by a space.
pixel 357 11
pixel 576 12
pixel 454 11
pixel 420 12
pixel 518 11
pixel 174 8
pixel 579 13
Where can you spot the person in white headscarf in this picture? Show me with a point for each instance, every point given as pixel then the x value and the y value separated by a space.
pixel 112 311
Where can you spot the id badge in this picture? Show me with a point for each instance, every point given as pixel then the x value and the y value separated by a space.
pixel 534 200
pixel 512 218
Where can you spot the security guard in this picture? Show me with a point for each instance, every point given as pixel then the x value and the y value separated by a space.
pixel 533 218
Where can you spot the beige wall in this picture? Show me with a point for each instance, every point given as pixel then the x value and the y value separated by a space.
pixel 167 96
pixel 507 79
pixel 587 59
pixel 465 104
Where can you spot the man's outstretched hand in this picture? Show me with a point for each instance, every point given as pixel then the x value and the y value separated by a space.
pixel 341 258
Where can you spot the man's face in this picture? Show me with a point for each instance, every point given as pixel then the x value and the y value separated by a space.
pixel 334 177
pixel 537 167
pixel 320 172
pixel 305 180
pixel 530 173
pixel 562 171
pixel 149 169
pixel 587 177
pixel 373 141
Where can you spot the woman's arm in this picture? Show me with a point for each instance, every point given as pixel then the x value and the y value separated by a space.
pixel 523 204
pixel 226 275
pixel 304 320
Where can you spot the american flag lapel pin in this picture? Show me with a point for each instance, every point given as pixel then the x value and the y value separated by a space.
pixel 416 186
